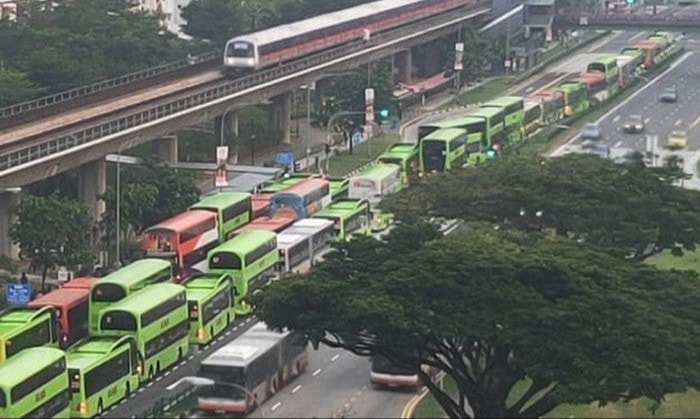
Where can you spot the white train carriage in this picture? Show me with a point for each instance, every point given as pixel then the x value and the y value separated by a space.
pixel 296 39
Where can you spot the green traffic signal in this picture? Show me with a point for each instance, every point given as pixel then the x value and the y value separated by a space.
pixel 384 113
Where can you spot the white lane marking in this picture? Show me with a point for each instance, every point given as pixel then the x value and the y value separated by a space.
pixel 696 122
pixel 677 123
pixel 617 118
pixel 149 384
pixel 190 357
pixel 297 388
pixel 167 373
pixel 529 89
pixel 175 368
pixel 646 120
pixel 617 144
pixel 336 356
pixel 276 406
pixel 317 372
pixel 638 35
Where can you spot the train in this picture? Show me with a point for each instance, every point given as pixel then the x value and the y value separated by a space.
pixel 282 43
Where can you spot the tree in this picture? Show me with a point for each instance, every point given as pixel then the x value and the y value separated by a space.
pixel 215 20
pixel 476 55
pixel 148 196
pixel 52 230
pixel 520 321
pixel 15 87
pixel 627 207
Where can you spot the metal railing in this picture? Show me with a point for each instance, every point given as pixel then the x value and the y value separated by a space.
pixel 100 86
pixel 54 145
pixel 690 20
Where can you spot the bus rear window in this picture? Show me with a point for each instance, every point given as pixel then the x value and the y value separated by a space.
pixel 74 375
pixel 225 261
pixel 107 293
pixel 384 365
pixel 118 320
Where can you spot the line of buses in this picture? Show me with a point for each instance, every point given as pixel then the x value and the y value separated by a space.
pixel 81 349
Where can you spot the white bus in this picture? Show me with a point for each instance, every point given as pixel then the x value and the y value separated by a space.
pixel 249 370
pixel 375 182
pixel 320 230
pixel 294 249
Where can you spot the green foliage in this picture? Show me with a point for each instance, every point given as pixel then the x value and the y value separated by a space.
pixel 494 310
pixel 477 55
pixel 626 207
pixel 15 87
pixel 52 230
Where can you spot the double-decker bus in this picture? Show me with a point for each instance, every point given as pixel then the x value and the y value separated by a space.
pixel 293 249
pixel 596 87
pixel 34 384
pixel 22 328
pixel 274 224
pixel 250 369
pixel 249 258
pixel 533 116
pixel 513 115
pixel 184 240
pixel 301 200
pixel 125 281
pixel 83 282
pixel 443 150
pixel 260 204
pixel 477 140
pixel 493 126
pixel 374 182
pixel 339 187
pixel 607 66
pixel 384 373
pixel 71 306
pixel 349 216
pixel 320 231
pixel 575 97
pixel 233 209
pixel 210 300
pixel 102 372
pixel 552 105
pixel 404 155
pixel 156 317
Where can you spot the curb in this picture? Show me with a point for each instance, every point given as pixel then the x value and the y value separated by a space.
pixel 410 409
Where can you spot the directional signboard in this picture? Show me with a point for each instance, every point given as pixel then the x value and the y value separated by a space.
pixel 18 295
pixel 369 105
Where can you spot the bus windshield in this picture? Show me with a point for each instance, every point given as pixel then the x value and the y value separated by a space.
pixel 224 375
pixel 118 320
pixel 107 293
pixel 225 261
pixel 384 365
pixel 434 155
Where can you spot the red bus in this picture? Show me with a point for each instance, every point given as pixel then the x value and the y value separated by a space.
pixel 597 86
pixel 185 240
pixel 274 224
pixel 261 204
pixel 83 282
pixel 71 305
pixel 301 200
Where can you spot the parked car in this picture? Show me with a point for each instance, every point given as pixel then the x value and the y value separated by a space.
pixel 669 95
pixel 677 139
pixel 591 132
pixel 633 125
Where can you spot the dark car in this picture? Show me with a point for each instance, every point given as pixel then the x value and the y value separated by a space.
pixel 669 95
pixel 633 124
pixel 591 132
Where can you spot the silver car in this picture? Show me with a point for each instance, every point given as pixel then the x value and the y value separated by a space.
pixel 591 132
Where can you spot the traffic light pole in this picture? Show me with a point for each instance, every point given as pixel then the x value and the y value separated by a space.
pixel 331 120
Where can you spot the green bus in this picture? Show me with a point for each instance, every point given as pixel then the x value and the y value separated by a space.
pixel 339 187
pixel 156 317
pixel 477 140
pixel 34 384
pixel 513 115
pixel 250 259
pixel 210 300
pixel 119 284
pixel 404 155
pixel 349 216
pixel 22 328
pixel 287 181
pixel 607 65
pixel 234 209
pixel 442 150
pixel 575 97
pixel 102 372
pixel 493 126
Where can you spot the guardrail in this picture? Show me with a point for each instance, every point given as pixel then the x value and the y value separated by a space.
pixel 689 21
pixel 163 407
pixel 153 113
pixel 9 114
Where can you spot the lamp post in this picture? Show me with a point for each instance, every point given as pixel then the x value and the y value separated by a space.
pixel 118 203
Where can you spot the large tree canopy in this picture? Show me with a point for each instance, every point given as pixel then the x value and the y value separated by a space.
pixel 521 321
pixel 627 207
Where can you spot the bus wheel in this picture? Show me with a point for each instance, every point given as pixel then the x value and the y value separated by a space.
pixel 100 409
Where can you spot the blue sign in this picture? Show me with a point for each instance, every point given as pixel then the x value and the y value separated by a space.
pixel 286 158
pixel 18 295
pixel 356 137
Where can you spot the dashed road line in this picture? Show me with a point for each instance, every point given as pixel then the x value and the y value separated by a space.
pixel 335 357
pixel 297 388
pixel 276 406
pixel 317 372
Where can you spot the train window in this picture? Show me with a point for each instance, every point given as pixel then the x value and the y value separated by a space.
pixel 241 50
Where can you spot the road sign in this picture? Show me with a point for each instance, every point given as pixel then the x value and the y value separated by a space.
pixel 356 137
pixel 62 275
pixel 221 176
pixel 18 295
pixel 286 159
pixel 369 105
pixel 459 56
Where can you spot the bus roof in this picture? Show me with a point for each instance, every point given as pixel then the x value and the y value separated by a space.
pixel 82 282
pixel 207 281
pixel 280 184
pixel 221 200
pixel 398 150
pixel 305 186
pixel 377 171
pixel 346 204
pixel 183 220
pixel 445 134
pixel 27 363
pixel 285 240
pixel 605 59
pixel 568 86
pixel 144 299
pixel 135 271
pixel 245 242
pixel 309 226
pixel 272 224
pixel 242 350
pixel 503 101
pixel 88 353
pixel 486 112
pixel 60 297
pixel 14 317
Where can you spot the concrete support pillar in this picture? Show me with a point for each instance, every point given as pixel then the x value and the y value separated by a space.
pixel 403 62
pixel 282 115
pixel 92 183
pixel 8 203
pixel 166 148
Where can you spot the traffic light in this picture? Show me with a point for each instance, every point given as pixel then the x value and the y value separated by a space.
pixel 493 152
pixel 384 113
